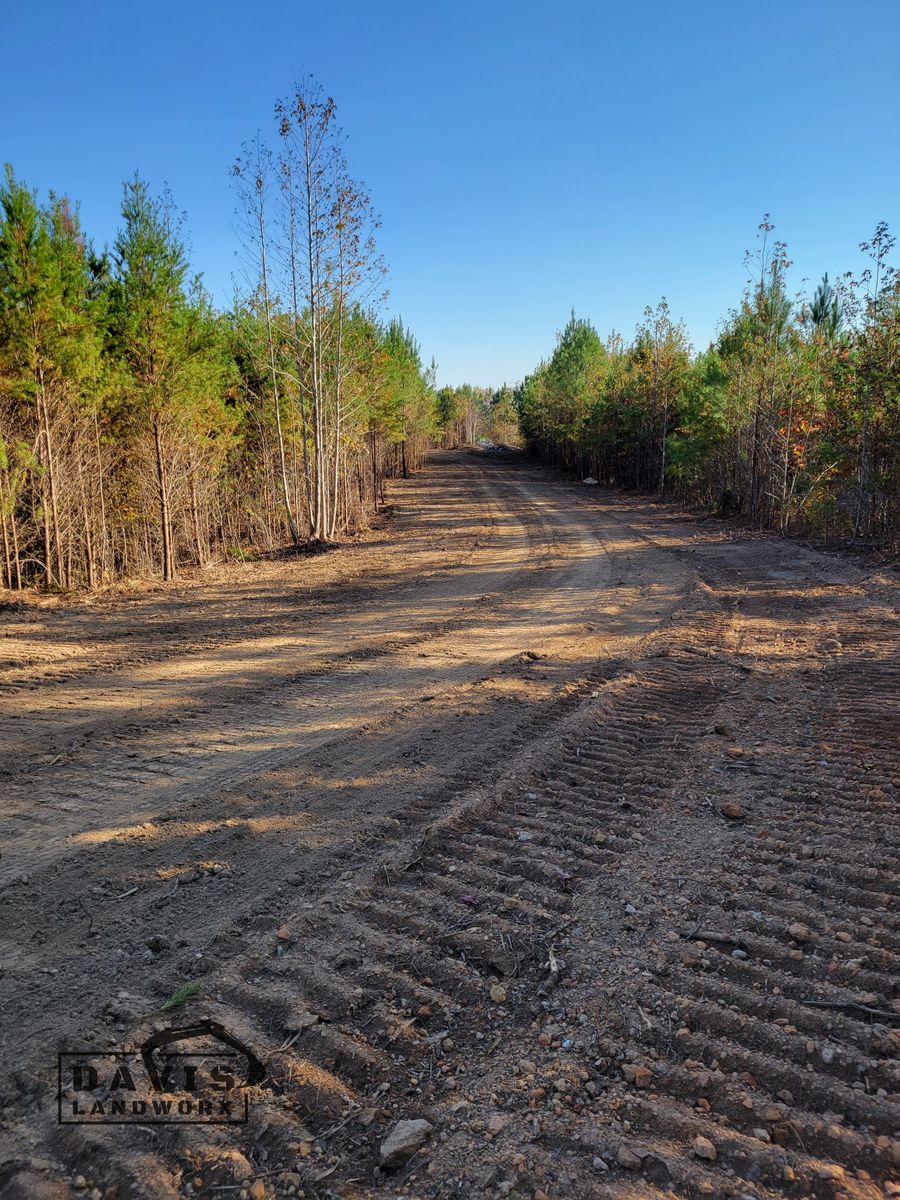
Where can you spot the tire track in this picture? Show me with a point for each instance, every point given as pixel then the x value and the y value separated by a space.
pixel 591 981
pixel 234 733
pixel 398 969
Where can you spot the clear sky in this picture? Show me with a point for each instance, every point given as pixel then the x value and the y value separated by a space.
pixel 526 158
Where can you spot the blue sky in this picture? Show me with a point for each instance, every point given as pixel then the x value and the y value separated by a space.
pixel 526 158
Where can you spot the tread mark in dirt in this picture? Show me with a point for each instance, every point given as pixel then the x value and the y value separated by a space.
pixel 740 1032
pixel 403 969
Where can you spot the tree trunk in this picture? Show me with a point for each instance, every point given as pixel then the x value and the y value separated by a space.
pixel 104 533
pixel 164 515
pixel 16 556
pixel 665 434
pixel 195 518
pixel 88 536
pixel 374 472
pixel 52 544
pixel 754 466
pixel 274 376
pixel 7 556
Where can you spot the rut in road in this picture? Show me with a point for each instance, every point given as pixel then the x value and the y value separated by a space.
pixel 579 971
pixel 390 970
pixel 89 884
pixel 209 721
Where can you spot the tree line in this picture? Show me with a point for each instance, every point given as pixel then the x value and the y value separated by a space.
pixel 791 418
pixel 467 413
pixel 142 429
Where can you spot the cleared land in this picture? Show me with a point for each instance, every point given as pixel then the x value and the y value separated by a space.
pixel 443 810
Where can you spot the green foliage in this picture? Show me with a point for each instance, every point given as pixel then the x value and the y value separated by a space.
pixel 701 429
pixel 792 418
pixel 182 996
pixel 825 313
pixel 404 405
pixel 137 423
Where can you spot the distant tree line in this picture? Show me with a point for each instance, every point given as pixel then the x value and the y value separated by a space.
pixel 791 418
pixel 468 413
pixel 142 430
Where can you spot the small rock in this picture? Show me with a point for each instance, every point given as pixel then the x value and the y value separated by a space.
pixel 300 1018
pixel 498 1122
pixel 703 1148
pixel 599 1165
pixel 257 1190
pixel 627 1158
pixel 843 936
pixel 225 1168
pixel 403 1141
pixel 524 836
pixel 734 812
pixel 503 962
pixel 498 993
pixel 641 1077
pixel 799 932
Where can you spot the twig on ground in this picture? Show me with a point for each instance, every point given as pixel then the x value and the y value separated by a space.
pixel 553 978
pixel 853 1006
pixel 89 915
pixel 710 935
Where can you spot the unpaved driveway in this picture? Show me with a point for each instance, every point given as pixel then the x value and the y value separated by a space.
pixel 495 736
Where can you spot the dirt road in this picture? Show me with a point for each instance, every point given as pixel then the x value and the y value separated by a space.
pixel 436 820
